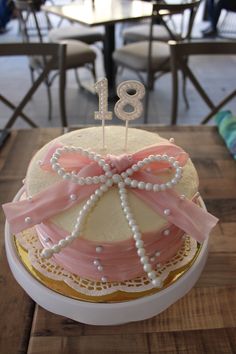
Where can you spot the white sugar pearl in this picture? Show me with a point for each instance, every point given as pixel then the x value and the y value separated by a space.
pixel 141 252
pixel 127 181
pixel 66 176
pixel 152 259
pixel 176 164
pixel 28 220
pixel 165 157
pixel 73 197
pixel 157 282
pixel 137 236
pixel 106 167
pixel 146 160
pixel 157 254
pixel 132 222
pixel 101 162
pixel 53 160
pixel 108 174
pixel 172 140
pixel 168 185
pixel 62 243
pixel 144 260
pixel 30 198
pixel 135 167
pixel 141 185
pixel 116 178
pixel 102 178
pixel 55 166
pixel 61 172
pixel 182 197
pixel 152 158
pixel 129 171
pixel 98 192
pixel 167 212
pixel 121 185
pixel 134 183
pixel 148 186
pixel 103 279
pixel 109 182
pixel 56 248
pixel 88 180
pixel 134 228
pixel 100 268
pixel 147 267
pixel 69 239
pixel 156 187
pixel 152 275
pixel 140 164
pixel 99 249
pixel 166 232
pixel 139 244
pixel 126 209
pixel 103 188
pixel 174 181
pixel 96 262
pixel 47 253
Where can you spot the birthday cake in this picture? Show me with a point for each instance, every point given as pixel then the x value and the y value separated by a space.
pixel 105 220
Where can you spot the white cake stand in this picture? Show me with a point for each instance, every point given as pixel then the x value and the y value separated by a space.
pixel 101 313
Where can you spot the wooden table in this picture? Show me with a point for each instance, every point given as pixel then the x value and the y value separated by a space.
pixel 204 321
pixel 103 12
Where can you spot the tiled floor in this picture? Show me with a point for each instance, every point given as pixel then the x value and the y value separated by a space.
pixel 217 73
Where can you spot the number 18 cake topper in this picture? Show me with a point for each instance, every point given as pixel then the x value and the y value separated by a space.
pixel 126 99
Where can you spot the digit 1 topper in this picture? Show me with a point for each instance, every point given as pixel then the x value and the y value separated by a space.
pixel 129 99
pixel 101 87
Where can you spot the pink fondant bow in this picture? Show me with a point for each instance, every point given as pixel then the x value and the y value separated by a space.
pixel 185 214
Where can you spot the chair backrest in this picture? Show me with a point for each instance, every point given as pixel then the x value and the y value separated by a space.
pixel 162 9
pixel 55 54
pixel 179 53
pixel 159 11
pixel 25 9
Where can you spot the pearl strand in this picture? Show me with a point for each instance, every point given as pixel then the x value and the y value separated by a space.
pixel 150 186
pixel 144 259
pixel 62 243
pixel 108 179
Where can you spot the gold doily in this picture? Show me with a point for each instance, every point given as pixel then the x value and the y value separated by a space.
pixel 58 279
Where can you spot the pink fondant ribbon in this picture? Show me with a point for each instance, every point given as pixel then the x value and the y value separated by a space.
pixel 184 213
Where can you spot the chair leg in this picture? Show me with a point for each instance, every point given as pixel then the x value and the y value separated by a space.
pixel 93 70
pixel 184 90
pixel 62 92
pixel 146 106
pixel 48 88
pixel 77 79
pixel 175 94
pixel 31 74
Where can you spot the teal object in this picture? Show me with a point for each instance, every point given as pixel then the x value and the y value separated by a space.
pixel 226 123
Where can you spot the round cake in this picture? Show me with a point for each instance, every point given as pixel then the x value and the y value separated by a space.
pixel 110 215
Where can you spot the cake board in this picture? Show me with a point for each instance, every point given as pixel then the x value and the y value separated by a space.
pixel 102 313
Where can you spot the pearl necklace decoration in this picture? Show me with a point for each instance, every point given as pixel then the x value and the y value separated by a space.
pixel 107 180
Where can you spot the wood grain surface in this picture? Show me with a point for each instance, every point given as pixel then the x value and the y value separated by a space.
pixel 203 321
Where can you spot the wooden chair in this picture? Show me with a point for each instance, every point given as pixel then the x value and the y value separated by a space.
pixel 150 56
pixel 170 26
pixel 78 54
pixel 55 54
pixel 179 53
